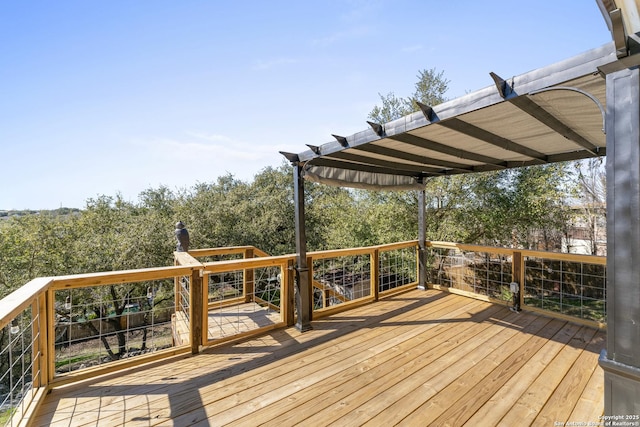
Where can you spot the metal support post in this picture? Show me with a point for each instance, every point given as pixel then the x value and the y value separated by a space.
pixel 422 237
pixel 303 282
pixel 621 359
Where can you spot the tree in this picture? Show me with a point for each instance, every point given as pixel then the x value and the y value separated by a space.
pixel 592 197
pixel 540 206
pixel 35 245
pixel 154 220
pixel 216 213
pixel 269 210
pixel 430 90
pixel 392 108
pixel 113 234
pixel 482 209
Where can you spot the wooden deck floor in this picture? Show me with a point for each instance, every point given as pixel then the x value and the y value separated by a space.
pixel 228 321
pixel 417 359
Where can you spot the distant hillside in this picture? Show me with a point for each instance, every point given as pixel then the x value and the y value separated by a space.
pixel 5 214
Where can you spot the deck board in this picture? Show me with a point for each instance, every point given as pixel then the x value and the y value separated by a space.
pixel 474 382
pixel 501 402
pixel 418 358
pixel 236 319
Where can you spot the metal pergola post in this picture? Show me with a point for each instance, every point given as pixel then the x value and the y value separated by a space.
pixel 422 237
pixel 303 282
pixel 621 359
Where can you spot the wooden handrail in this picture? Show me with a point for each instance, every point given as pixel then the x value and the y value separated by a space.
pixel 230 250
pixel 591 259
pixel 185 258
pixel 397 245
pixel 340 252
pixel 467 247
pixel 241 264
pixel 17 301
pixel 119 277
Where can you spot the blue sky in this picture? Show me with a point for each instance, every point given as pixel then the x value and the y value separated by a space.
pixel 106 97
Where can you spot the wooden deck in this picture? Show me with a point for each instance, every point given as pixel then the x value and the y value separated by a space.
pixel 227 321
pixel 420 358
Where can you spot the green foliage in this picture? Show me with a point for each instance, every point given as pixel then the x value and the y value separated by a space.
pixel 33 246
pixel 6 414
pixel 541 203
pixel 516 207
pixel 230 212
pixel 430 90
pixel 591 193
pixel 392 108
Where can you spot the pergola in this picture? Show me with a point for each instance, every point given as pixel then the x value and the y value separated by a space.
pixel 575 109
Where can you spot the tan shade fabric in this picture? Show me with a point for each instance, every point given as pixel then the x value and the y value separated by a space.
pixel 555 113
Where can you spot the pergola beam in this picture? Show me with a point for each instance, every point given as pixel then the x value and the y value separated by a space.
pixel 390 152
pixel 366 160
pixel 493 139
pixel 529 106
pixel 332 163
pixel 417 141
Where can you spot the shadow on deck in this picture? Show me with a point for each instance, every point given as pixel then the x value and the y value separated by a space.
pixel 418 358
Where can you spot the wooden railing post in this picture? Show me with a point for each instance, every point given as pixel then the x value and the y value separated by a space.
pixel 248 276
pixel 196 311
pixel 39 341
pixel 35 343
pixel 375 273
pixel 176 289
pixel 43 322
pixel 50 355
pixel 517 274
pixel 205 307
pixel 288 294
pixel 310 290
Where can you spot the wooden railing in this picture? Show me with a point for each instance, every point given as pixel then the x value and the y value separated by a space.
pixel 50 328
pixel 347 277
pixel 570 286
pixel 62 329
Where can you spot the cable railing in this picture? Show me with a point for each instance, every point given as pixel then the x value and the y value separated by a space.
pixel 571 285
pixel 246 296
pixel 344 277
pixel 94 325
pixel 21 370
pixel 567 285
pixel 23 342
pixel 61 329
pixel 481 271
pixel 340 277
pixel 398 267
pixel 57 330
